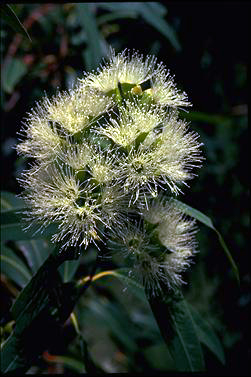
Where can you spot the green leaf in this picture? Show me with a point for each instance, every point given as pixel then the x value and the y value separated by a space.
pixel 153 18
pixel 178 330
pixel 13 267
pixel 208 222
pixel 12 228
pixel 67 270
pixel 11 18
pixel 39 311
pixel 123 274
pixel 10 201
pixel 113 318
pixel 93 52
pixel 207 336
pixel 35 252
pixel 13 71
pixel 69 362
pixel 11 359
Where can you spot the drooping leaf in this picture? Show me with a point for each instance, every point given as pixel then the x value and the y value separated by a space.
pixel 67 361
pixel 93 52
pixel 13 267
pixel 11 357
pixel 207 336
pixel 123 274
pixel 39 311
pixel 68 269
pixel 10 201
pixel 13 228
pixel 11 18
pixel 153 18
pixel 13 71
pixel 113 319
pixel 35 252
pixel 204 219
pixel 178 330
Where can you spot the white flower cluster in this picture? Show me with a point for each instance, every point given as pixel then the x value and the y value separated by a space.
pixel 102 151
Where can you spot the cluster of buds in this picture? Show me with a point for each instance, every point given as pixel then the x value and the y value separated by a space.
pixel 103 154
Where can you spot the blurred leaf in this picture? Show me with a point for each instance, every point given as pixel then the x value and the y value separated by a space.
pixel 10 201
pixel 12 228
pixel 93 52
pixel 159 357
pixel 67 361
pixel 11 358
pixel 208 222
pixel 12 223
pixel 35 251
pixel 178 330
pixel 68 268
pixel 216 119
pixel 13 267
pixel 114 319
pixel 207 335
pixel 151 12
pixel 112 16
pixel 153 18
pixel 11 18
pixel 137 289
pixel 157 8
pixel 119 6
pixel 13 71
pixel 39 311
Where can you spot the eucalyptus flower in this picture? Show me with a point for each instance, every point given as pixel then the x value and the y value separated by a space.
pixel 140 75
pixel 161 246
pixel 101 152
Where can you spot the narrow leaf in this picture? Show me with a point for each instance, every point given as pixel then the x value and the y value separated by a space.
pixel 13 71
pixel 88 22
pixel 178 330
pixel 208 222
pixel 207 336
pixel 35 251
pixel 67 270
pixel 10 201
pixel 160 24
pixel 69 362
pixel 11 358
pixel 11 18
pixel 13 267
pixel 39 311
pixel 123 274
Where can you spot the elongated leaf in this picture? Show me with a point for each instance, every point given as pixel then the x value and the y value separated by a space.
pixel 12 228
pixel 11 18
pixel 11 358
pixel 112 318
pixel 69 362
pixel 178 330
pixel 123 274
pixel 208 222
pixel 10 201
pixel 207 335
pixel 13 71
pixel 39 310
pixel 12 223
pixel 35 251
pixel 160 24
pixel 68 269
pixel 87 20
pixel 13 267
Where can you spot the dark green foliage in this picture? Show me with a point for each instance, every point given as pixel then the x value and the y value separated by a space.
pixel 118 331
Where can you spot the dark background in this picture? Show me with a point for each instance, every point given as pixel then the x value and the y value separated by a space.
pixel 211 66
